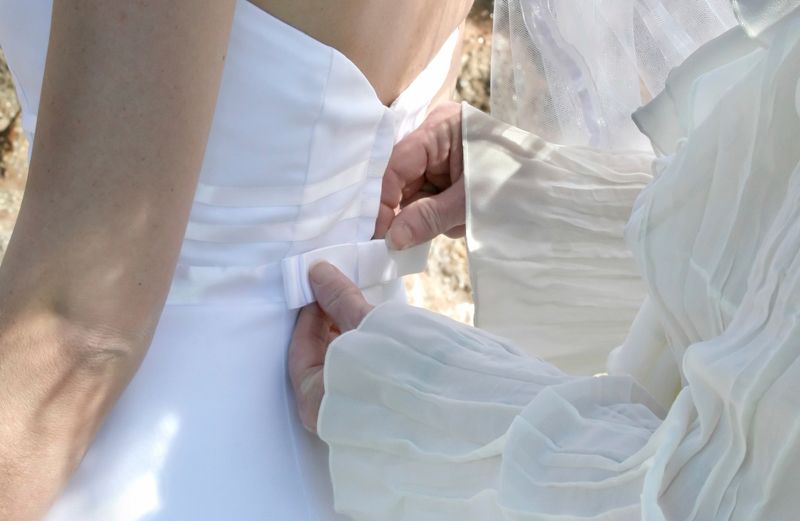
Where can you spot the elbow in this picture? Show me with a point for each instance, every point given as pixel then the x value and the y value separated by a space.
pixel 93 350
pixel 94 339
pixel 58 345
pixel 98 351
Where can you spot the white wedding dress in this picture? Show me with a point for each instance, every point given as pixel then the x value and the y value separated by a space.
pixel 430 420
pixel 207 429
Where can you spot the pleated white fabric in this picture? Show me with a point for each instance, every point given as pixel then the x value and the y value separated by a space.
pixel 546 249
pixel 431 420
pixel 207 429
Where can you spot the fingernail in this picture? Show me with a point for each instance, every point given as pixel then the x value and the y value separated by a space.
pixel 321 273
pixel 399 237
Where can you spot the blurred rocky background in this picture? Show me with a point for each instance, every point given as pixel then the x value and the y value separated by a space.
pixel 445 285
pixel 13 156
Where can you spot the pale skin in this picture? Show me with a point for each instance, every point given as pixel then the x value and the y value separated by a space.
pixel 127 102
pixel 423 196
pixel 390 41
pixel 118 150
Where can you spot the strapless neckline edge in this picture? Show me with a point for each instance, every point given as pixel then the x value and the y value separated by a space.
pixel 421 80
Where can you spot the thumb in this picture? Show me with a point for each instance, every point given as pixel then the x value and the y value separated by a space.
pixel 338 297
pixel 428 217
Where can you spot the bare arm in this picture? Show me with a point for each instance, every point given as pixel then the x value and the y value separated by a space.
pixel 127 102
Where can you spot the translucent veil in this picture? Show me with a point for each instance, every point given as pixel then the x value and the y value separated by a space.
pixel 573 71
pixel 756 16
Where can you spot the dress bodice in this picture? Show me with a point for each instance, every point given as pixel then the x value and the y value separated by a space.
pixel 206 429
pixel 496 435
pixel 295 155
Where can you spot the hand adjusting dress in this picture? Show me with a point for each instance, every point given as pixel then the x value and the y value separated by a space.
pixel 428 419
pixel 299 142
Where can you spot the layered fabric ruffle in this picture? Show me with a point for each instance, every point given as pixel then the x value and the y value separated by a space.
pixel 427 419
pixel 545 227
pixel 467 428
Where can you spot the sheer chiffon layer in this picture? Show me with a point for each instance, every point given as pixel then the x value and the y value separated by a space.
pixel 572 71
pixel 470 429
pixel 547 256
pixel 431 420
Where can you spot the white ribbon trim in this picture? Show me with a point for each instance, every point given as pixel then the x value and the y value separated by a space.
pixel 367 264
pixel 292 195
pixel 295 230
pixel 286 283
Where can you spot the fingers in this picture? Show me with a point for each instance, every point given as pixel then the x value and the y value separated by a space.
pixel 340 307
pixel 405 172
pixel 385 217
pixel 338 297
pixel 309 341
pixel 428 217
pixel 306 358
pixel 457 232
pixel 431 155
pixel 308 398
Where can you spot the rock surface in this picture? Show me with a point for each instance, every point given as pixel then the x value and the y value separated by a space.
pixel 13 156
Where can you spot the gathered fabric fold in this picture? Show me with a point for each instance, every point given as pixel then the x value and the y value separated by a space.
pixel 545 232
pixel 428 419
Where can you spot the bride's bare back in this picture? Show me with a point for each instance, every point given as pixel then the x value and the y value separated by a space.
pixel 391 41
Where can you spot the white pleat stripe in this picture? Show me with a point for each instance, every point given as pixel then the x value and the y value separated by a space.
pixel 260 196
pixel 286 283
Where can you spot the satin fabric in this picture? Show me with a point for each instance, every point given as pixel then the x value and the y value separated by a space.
pixel 756 16
pixel 547 256
pixel 207 429
pixel 429 419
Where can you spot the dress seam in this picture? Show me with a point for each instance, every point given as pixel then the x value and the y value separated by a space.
pixel 286 398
